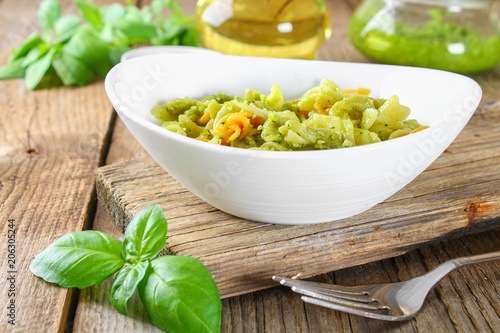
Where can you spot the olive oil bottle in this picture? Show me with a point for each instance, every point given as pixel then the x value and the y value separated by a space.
pixel 277 28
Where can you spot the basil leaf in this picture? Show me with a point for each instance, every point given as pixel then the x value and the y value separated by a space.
pixel 146 234
pixel 125 283
pixel 117 51
pixel 134 30
pixel 87 47
pixel 66 23
pixel 112 12
pixel 79 259
pixel 71 70
pixel 31 42
pixel 191 37
pixel 180 295
pixel 66 27
pixel 35 54
pixel 173 5
pixel 13 70
pixel 134 14
pixel 36 71
pixel 90 13
pixel 49 12
pixel 157 6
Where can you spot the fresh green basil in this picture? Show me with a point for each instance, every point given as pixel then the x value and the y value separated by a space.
pixel 135 31
pixel 32 41
pixel 180 295
pixel 49 12
pixel 37 70
pixel 13 70
pixel 91 50
pixel 97 42
pixel 35 53
pixel 146 235
pixel 79 259
pixel 71 70
pixel 125 283
pixel 90 13
pixel 66 27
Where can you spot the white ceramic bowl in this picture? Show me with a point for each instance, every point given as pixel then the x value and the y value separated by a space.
pixel 290 187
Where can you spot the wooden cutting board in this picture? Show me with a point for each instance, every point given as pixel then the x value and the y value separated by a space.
pixel 458 194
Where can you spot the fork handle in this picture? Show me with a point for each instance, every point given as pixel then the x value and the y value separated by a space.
pixel 435 275
pixel 476 259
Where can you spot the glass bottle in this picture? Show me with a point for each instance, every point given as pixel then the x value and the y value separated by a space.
pixel 456 35
pixel 278 28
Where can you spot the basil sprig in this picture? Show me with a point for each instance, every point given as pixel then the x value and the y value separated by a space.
pixel 178 292
pixel 72 51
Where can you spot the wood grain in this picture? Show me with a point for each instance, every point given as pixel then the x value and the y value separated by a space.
pixel 51 142
pixel 457 195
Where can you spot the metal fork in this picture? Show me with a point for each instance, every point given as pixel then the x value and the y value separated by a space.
pixel 392 301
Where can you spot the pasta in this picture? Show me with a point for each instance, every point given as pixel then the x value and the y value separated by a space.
pixel 324 117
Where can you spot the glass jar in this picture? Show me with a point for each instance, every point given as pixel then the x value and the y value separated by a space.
pixel 455 35
pixel 278 28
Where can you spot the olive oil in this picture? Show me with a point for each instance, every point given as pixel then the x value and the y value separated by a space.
pixel 278 28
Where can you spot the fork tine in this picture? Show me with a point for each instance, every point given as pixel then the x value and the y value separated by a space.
pixel 352 310
pixel 340 299
pixel 346 301
pixel 328 288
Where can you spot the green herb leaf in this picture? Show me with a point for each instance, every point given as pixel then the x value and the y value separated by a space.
pixel 180 295
pixel 117 51
pixel 35 54
pixel 49 12
pixel 71 70
pixel 97 43
pixel 174 5
pixel 157 6
pixel 90 13
pixel 79 259
pixel 146 235
pixel 87 47
pixel 133 14
pixel 178 29
pixel 13 70
pixel 112 12
pixel 125 283
pixel 36 71
pixel 135 31
pixel 31 42
pixel 66 27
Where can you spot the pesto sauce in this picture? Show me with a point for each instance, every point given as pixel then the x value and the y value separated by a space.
pixel 436 44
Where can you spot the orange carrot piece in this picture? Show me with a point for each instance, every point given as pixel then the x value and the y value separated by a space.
pixel 362 91
pixel 320 109
pixel 418 129
pixel 234 125
pixel 304 113
pixel 203 120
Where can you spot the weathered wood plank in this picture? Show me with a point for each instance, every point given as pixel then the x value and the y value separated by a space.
pixel 443 310
pixel 455 196
pixel 51 142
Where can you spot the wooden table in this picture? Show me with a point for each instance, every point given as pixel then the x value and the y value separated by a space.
pixel 52 142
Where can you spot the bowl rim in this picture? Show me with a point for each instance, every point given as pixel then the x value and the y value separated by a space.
pixel 164 49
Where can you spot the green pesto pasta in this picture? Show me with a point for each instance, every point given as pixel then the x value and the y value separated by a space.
pixel 324 117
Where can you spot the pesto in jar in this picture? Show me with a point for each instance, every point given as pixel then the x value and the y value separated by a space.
pixel 437 43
